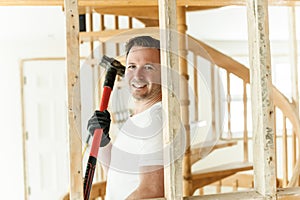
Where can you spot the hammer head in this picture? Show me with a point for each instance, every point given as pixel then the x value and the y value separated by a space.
pixel 108 62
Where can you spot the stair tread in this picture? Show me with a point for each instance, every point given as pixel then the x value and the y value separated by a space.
pixel 214 144
pixel 228 168
pixel 200 150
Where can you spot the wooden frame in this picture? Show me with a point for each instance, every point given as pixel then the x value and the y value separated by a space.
pixel 265 183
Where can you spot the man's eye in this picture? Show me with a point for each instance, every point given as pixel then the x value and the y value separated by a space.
pixel 130 66
pixel 148 67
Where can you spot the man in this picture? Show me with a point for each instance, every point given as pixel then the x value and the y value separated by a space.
pixel 134 162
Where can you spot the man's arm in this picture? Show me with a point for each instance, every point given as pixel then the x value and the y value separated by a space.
pixel 105 155
pixel 151 185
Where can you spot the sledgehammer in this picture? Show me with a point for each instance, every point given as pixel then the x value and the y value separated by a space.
pixel 113 68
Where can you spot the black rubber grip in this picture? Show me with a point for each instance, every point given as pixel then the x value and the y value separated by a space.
pixel 89 174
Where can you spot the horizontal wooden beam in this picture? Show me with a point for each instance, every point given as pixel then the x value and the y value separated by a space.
pixel 282 194
pixel 130 3
pixel 149 12
pixel 117 36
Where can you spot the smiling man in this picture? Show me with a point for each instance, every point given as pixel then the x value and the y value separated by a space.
pixel 134 162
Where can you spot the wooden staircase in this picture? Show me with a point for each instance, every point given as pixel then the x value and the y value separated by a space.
pixel 208 176
pixel 199 151
pixel 204 177
pixel 212 175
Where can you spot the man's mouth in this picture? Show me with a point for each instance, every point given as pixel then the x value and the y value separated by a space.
pixel 139 85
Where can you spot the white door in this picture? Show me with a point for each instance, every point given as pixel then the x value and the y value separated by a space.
pixel 45 104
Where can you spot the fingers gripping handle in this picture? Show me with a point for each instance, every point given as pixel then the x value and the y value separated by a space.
pixel 91 165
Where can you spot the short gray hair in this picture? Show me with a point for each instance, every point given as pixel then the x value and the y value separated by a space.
pixel 142 41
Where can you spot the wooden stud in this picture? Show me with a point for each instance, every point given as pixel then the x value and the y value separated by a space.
pixel 117 46
pixel 219 187
pixel 245 138
pixel 170 103
pixel 294 72
pixel 213 100
pixel 219 105
pixel 184 98
pixel 261 96
pixel 275 140
pixel 284 154
pixel 195 85
pixel 229 134
pixel 74 104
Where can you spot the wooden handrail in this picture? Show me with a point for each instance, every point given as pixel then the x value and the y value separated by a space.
pixel 230 65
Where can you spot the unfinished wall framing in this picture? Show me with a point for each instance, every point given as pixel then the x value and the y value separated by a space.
pixel 264 166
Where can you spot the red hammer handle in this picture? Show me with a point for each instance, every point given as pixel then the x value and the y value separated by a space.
pixel 91 165
pixel 98 132
pixel 114 68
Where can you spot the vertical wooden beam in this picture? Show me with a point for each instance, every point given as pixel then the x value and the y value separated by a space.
pixel 229 134
pixel 184 98
pixel 284 153
pixel 245 140
pixel 24 132
pixel 170 102
pixel 195 85
pixel 261 96
pixel 294 71
pixel 74 105
pixel 294 56
pixel 213 79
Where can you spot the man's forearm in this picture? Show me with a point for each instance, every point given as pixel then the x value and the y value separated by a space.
pixel 151 183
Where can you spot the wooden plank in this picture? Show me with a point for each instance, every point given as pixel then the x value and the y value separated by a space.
pixel 229 134
pixel 149 12
pixel 74 104
pixel 261 96
pixel 245 138
pixel 120 35
pixel 170 90
pixel 294 71
pixel 244 195
pixel 205 177
pixel 199 151
pixel 283 194
pixel 130 3
pixel 220 170
pixel 184 98
pixel 243 180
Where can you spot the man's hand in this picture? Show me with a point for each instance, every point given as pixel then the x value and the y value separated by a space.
pixel 100 120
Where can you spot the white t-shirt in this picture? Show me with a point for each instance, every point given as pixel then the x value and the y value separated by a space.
pixel 139 143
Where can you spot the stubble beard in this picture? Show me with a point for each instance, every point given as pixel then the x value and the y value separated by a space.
pixel 148 95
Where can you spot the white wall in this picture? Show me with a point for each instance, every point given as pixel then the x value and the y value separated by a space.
pixel 25 32
pixel 39 32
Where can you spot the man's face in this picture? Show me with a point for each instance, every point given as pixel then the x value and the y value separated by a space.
pixel 143 72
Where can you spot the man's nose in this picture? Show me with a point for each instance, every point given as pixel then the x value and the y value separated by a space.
pixel 139 72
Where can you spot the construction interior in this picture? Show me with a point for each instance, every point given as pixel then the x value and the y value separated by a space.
pixel 268 164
